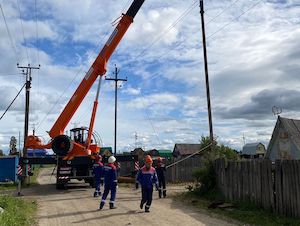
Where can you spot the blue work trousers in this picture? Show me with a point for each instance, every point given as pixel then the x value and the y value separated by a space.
pixel 113 191
pixel 97 185
pixel 147 196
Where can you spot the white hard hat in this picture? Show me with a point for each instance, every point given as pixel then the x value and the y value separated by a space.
pixel 111 159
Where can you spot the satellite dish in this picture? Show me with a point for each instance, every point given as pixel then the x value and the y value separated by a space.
pixel 276 110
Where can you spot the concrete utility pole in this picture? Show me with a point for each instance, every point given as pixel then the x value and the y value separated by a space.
pixel 206 74
pixel 27 71
pixel 116 79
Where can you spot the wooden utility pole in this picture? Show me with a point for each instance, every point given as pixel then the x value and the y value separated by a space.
pixel 27 73
pixel 116 79
pixel 206 74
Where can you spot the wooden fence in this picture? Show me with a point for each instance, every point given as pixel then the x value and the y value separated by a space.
pixel 181 172
pixel 275 188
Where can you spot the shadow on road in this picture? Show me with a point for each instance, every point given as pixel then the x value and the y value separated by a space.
pixel 130 212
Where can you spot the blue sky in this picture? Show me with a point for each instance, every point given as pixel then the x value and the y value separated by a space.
pixel 253 53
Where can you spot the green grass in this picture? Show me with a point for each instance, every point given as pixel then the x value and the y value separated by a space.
pixel 17 211
pixel 7 186
pixel 36 171
pixel 245 213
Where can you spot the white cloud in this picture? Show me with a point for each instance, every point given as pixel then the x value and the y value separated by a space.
pixel 165 92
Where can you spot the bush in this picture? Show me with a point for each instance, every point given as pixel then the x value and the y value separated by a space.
pixel 205 177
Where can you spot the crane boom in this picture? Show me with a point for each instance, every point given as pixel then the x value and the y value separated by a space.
pixel 60 143
pixel 98 68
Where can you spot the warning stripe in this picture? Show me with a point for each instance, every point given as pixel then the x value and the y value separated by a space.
pixel 19 171
pixel 136 166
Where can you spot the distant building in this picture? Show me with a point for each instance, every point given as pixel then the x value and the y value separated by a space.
pixel 139 152
pixel 253 150
pixel 182 150
pixel 152 152
pixel 165 153
pixel 285 140
pixel 106 151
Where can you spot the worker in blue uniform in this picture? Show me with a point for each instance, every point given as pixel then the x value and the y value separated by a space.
pixel 160 170
pixel 98 175
pixel 147 177
pixel 110 183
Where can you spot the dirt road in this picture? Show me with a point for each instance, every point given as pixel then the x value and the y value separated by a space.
pixel 76 206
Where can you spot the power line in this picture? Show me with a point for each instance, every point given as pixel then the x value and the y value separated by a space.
pixel 179 44
pixel 9 35
pixel 36 33
pixel 219 14
pixel 23 31
pixel 126 4
pixel 58 99
pixel 158 73
pixel 12 101
pixel 220 29
pixel 165 31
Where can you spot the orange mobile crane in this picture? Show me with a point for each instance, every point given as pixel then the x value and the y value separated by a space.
pixel 80 152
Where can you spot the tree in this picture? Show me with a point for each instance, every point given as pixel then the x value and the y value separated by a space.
pixel 13 146
pixel 1 153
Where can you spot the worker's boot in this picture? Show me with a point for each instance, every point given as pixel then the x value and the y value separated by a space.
pixel 164 193
pixel 99 193
pixel 111 206
pixel 142 204
pixel 159 193
pixel 96 194
pixel 147 209
pixel 101 205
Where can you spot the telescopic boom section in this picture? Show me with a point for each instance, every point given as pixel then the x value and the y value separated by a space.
pixel 97 68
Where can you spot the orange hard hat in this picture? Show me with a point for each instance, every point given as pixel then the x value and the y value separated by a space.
pixel 159 159
pixel 149 159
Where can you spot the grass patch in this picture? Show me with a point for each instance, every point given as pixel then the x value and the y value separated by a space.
pixel 7 186
pixel 246 213
pixel 17 211
pixel 33 179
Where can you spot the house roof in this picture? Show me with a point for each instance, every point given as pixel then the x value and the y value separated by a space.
pixel 250 148
pixel 186 149
pixel 137 149
pixel 165 153
pixel 292 126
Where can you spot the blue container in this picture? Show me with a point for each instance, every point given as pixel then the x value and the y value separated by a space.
pixel 37 153
pixel 8 168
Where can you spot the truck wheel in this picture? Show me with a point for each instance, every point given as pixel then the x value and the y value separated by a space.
pixel 61 186
pixel 92 183
pixel 61 145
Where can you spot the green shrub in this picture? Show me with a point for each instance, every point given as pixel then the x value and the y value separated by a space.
pixel 205 179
